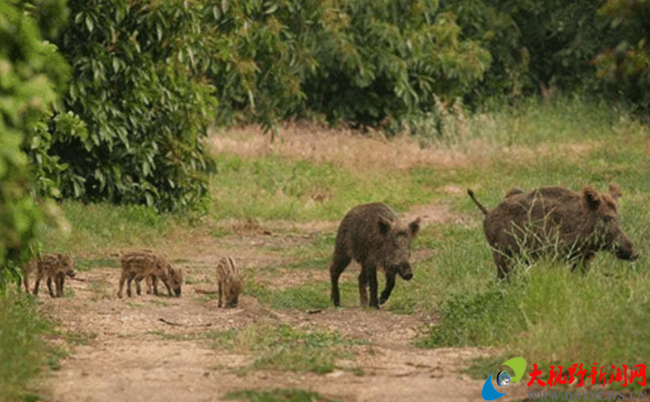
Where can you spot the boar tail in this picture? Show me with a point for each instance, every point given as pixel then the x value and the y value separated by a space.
pixel 478 204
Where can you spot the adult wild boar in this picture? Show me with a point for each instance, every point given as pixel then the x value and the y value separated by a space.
pixel 573 225
pixel 372 235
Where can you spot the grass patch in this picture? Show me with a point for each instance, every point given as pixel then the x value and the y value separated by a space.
pixel 279 346
pixel 86 264
pixel 272 187
pixel 277 395
pixel 23 351
pixel 79 338
pixel 101 290
pixel 549 314
pixel 314 295
pixel 102 228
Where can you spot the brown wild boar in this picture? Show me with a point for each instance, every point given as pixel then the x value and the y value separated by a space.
pixel 230 282
pixel 138 265
pixel 372 235
pixel 53 266
pixel 554 219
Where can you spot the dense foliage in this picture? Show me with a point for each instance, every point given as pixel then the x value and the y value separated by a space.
pixel 626 67
pixel 30 71
pixel 139 88
pixel 358 60
pixel 389 59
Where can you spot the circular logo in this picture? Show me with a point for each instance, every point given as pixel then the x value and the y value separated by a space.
pixel 504 379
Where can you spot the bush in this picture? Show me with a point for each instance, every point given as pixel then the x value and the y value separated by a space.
pixel 625 65
pixel 138 85
pixel 388 59
pixel 29 72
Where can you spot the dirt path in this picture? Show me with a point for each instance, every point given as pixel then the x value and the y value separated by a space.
pixel 126 358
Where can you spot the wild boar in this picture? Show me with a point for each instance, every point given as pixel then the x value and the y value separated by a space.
pixel 229 281
pixel 554 219
pixel 372 235
pixel 53 266
pixel 138 265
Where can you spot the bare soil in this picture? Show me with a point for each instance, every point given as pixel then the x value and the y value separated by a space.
pixel 126 359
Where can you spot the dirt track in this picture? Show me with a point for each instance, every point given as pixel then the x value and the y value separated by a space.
pixel 125 361
pixel 128 359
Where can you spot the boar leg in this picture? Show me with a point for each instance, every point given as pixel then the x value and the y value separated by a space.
pixel 138 286
pixel 339 263
pixel 363 288
pixel 26 282
pixel 148 282
pixel 221 286
pixel 38 281
pixel 154 284
pixel 49 286
pixel 390 284
pixel 169 289
pixel 371 277
pixel 502 264
pixel 122 279
pixel 130 277
pixel 58 282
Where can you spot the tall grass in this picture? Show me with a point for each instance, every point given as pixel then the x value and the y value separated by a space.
pixel 545 313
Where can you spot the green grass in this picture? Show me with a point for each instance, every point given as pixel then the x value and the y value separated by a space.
pixel 79 338
pixel 279 346
pixel 98 228
pixel 271 187
pixel 277 395
pixel 303 297
pixel 86 264
pixel 23 352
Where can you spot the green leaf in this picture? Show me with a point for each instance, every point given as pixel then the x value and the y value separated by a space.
pixel 89 23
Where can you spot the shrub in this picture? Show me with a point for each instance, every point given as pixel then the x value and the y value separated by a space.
pixel 138 85
pixel 29 70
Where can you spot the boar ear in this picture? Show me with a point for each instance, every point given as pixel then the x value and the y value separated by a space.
pixel 591 197
pixel 615 191
pixel 514 191
pixel 384 225
pixel 414 227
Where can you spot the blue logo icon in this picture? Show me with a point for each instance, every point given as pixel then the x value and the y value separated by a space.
pixel 504 379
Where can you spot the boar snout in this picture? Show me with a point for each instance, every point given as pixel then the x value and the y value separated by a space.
pixel 625 251
pixel 405 271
